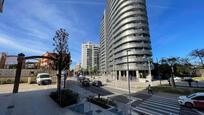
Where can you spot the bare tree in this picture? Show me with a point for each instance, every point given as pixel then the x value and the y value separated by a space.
pixel 63 56
pixel 198 53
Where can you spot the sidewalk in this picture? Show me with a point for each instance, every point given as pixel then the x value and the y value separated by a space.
pixel 30 103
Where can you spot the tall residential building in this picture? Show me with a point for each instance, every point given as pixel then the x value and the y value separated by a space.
pixel 77 69
pixel 90 56
pixel 125 39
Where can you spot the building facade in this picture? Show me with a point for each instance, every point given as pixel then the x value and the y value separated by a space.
pixel 77 69
pixel 11 62
pixel 125 45
pixel 47 63
pixel 2 60
pixel 90 56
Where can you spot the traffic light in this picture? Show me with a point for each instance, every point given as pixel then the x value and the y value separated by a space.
pixel 1 5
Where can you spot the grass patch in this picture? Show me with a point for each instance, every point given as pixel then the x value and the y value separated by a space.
pixel 181 91
pixel 68 97
pixel 4 80
pixel 198 78
pixel 102 102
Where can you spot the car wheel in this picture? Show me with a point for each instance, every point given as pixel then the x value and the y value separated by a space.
pixel 189 105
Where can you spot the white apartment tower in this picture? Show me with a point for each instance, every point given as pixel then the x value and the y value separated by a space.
pixel 125 45
pixel 90 56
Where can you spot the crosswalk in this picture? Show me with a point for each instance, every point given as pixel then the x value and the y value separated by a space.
pixel 157 105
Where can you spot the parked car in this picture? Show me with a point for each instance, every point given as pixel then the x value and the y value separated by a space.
pixel 97 83
pixel 81 78
pixel 85 82
pixel 43 79
pixel 177 79
pixel 187 79
pixel 195 100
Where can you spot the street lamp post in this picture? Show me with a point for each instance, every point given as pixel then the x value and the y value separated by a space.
pixel 149 68
pixel 128 80
pixel 150 73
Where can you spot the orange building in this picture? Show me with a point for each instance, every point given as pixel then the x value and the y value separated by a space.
pixel 47 63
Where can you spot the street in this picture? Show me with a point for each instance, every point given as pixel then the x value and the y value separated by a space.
pixel 143 103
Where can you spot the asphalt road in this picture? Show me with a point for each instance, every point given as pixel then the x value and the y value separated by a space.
pixel 144 103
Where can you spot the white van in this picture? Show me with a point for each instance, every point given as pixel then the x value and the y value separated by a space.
pixel 43 79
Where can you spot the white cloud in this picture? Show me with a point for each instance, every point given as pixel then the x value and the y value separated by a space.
pixel 7 42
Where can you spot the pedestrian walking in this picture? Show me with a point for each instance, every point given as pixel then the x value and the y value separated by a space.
pixel 149 88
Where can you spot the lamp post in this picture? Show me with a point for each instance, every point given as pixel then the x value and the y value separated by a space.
pixel 149 68
pixel 150 72
pixel 128 80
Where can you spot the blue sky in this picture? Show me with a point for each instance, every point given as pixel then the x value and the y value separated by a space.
pixel 28 26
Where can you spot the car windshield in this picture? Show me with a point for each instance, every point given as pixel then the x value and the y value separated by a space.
pixel 44 76
pixel 192 95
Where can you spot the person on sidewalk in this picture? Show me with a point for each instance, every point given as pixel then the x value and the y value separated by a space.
pixel 149 88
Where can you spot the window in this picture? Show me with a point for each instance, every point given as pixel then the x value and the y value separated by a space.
pixel 192 95
pixel 198 98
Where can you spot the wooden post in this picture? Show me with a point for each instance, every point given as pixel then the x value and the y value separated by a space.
pixel 20 60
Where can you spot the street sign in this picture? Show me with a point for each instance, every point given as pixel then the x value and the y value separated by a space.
pixel 1 5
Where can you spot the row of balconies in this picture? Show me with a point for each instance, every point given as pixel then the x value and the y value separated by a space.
pixel 126 29
pixel 128 5
pixel 128 33
pixel 130 20
pixel 130 60
pixel 130 39
pixel 126 14
pixel 123 15
pixel 132 66
pixel 132 46
pixel 133 52
pixel 127 20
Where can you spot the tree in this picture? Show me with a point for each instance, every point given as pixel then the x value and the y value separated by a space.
pixel 63 55
pixel 198 53
pixel 171 63
pixel 185 61
pixel 184 67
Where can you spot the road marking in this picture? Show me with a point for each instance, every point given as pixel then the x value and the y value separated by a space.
pixel 175 104
pixel 162 108
pixel 146 111
pixel 156 96
pixel 157 104
pixel 201 113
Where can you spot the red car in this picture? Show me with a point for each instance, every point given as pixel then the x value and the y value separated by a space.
pixel 195 100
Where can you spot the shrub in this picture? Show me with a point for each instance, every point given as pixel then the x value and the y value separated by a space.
pixel 68 97
pixel 104 103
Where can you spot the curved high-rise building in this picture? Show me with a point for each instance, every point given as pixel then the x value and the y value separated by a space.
pixel 125 44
